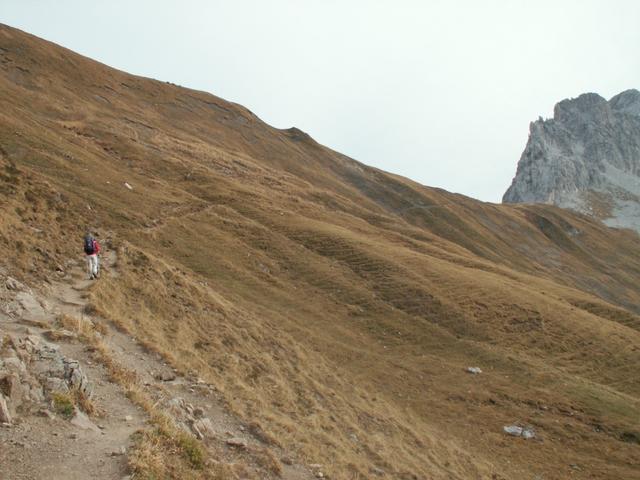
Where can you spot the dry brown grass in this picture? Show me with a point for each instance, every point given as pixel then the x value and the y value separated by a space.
pixel 342 416
pixel 65 402
pixel 81 326
pixel 164 451
pixel 268 460
pixel 320 296
pixel 84 402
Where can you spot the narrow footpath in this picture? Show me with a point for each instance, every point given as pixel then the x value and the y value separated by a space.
pixel 40 443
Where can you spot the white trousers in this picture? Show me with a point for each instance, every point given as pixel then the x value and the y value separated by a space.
pixel 92 265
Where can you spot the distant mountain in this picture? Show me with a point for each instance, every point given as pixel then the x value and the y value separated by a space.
pixel 587 158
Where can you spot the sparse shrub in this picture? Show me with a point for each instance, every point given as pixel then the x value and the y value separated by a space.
pixel 63 403
pixel 630 437
pixel 191 450
pixel 167 453
pixel 6 342
pixel 67 321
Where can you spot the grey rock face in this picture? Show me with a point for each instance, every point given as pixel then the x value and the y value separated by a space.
pixel 31 370
pixel 627 102
pixel 587 158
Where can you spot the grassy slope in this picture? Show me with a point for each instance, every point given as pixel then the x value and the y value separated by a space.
pixel 334 304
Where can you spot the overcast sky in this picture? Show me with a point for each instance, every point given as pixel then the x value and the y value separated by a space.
pixel 439 91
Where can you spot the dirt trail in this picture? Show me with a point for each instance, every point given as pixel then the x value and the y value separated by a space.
pixel 39 447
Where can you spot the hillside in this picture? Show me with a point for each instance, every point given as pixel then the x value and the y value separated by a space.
pixel 587 158
pixel 333 305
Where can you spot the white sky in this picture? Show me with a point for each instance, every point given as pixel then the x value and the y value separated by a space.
pixel 439 91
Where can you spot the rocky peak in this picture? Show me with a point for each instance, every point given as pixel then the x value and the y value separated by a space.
pixel 627 102
pixel 586 108
pixel 587 158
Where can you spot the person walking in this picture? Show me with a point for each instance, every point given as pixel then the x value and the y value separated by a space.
pixel 92 249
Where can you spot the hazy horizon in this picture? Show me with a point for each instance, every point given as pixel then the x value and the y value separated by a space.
pixel 439 93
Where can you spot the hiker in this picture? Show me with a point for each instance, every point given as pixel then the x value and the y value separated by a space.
pixel 92 249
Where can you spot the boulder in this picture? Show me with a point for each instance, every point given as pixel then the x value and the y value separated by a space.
pixel 176 405
pixel 74 376
pixel 166 376
pixel 33 342
pixel 517 431
pixel 55 384
pixel 44 368
pixel 237 442
pixel 118 452
pixel 14 364
pixel 81 420
pixel 34 393
pixel 203 428
pixel 13 284
pixel 5 414
pixel 49 351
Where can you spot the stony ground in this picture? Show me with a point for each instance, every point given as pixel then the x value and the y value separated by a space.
pixel 40 359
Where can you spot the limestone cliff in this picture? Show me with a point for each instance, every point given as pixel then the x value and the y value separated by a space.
pixel 587 158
